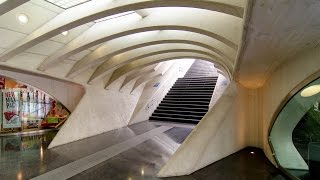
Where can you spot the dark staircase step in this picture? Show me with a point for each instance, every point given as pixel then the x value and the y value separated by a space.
pixel 188 88
pixel 189 93
pixel 196 80
pixel 174 111
pixel 188 99
pixel 194 83
pixel 186 102
pixel 178 120
pixel 184 105
pixel 184 109
pixel 191 98
pixel 177 116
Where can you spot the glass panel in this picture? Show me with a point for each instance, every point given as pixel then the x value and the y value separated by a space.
pixel 295 135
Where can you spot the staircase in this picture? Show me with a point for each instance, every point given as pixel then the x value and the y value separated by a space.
pixel 188 99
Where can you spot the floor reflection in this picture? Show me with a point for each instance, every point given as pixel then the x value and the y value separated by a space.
pixel 21 153
pixel 140 162
pixel 28 157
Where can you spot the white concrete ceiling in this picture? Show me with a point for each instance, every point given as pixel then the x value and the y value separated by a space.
pixel 277 30
pixel 159 30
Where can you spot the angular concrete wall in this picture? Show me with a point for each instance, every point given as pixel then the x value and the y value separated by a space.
pixel 221 85
pixel 242 117
pixel 221 132
pixel 99 111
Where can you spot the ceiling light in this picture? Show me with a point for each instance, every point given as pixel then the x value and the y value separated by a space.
pixel 114 16
pixel 252 152
pixel 65 33
pixel 310 91
pixel 22 18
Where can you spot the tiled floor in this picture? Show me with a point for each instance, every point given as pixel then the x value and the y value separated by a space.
pixel 141 161
pixel 239 166
pixel 29 157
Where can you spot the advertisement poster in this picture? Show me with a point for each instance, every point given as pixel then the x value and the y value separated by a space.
pixel 11 108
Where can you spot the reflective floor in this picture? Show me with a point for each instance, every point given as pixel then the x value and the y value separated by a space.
pixel 22 155
pixel 136 152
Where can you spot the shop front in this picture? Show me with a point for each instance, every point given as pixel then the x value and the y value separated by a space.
pixel 27 109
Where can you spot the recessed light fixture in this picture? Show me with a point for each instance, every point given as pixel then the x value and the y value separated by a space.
pixel 22 18
pixel 310 91
pixel 65 33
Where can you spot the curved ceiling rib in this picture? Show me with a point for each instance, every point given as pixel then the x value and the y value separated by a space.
pixel 224 28
pixel 144 79
pixel 139 40
pixel 163 69
pixel 139 72
pixel 160 58
pixel 125 58
pixel 9 5
pixel 91 11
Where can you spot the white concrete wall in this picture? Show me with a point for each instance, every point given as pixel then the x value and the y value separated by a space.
pixel 221 132
pixel 69 94
pixel 221 85
pixel 242 117
pixel 99 111
pixel 152 96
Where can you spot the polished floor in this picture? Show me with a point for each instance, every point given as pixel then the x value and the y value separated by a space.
pixel 134 152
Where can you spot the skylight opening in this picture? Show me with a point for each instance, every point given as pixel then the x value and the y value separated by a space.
pixel 2 1
pixel 65 4
pixel 114 16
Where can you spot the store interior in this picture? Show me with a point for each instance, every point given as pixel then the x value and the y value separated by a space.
pixel 27 109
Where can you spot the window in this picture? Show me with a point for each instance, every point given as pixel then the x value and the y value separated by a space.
pixel 295 135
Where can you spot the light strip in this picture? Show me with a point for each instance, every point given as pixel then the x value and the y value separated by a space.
pixel 310 91
pixel 114 16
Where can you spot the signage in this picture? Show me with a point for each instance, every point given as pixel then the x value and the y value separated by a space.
pixel 11 108
pixel 156 84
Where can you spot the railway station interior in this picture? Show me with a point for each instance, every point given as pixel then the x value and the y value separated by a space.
pixel 160 89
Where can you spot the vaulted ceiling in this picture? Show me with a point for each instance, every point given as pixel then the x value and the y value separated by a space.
pixel 117 36
pixel 122 36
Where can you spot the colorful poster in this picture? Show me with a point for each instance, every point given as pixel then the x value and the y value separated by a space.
pixel 11 108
